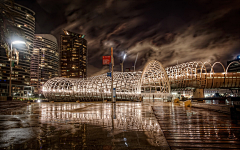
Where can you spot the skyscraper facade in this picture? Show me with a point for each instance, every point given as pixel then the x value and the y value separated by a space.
pixel 73 55
pixel 44 61
pixel 21 71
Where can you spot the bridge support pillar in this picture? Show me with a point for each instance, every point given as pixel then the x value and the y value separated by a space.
pixel 198 93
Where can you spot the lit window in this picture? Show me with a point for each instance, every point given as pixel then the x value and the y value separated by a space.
pixel 30 17
pixel 27 37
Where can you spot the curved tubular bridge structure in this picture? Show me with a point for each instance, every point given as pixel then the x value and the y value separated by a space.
pixel 129 85
pixel 196 75
pixel 153 80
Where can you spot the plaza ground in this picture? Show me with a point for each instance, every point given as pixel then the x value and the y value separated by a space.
pixel 123 125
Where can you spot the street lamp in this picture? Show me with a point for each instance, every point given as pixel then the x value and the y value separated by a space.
pixel 10 80
pixel 112 63
pixel 135 63
pixel 124 56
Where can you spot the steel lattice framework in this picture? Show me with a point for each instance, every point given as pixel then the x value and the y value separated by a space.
pixel 196 75
pixel 129 85
pixel 153 80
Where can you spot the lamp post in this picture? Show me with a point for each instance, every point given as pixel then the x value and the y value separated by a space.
pixel 10 80
pixel 124 56
pixel 112 63
pixel 135 62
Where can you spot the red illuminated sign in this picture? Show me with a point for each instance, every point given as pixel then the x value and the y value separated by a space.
pixel 106 60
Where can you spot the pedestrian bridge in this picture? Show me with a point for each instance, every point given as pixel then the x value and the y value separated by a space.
pixel 129 85
pixel 196 75
pixel 153 80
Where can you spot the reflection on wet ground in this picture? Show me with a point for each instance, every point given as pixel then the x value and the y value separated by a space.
pixel 124 125
pixel 186 128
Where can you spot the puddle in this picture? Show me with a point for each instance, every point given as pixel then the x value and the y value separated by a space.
pixel 85 125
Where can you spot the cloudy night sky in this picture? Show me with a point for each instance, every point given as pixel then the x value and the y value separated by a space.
pixel 165 30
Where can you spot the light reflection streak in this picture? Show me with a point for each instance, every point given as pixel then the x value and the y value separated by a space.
pixel 124 116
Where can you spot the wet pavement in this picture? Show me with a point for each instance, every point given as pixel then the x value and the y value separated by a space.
pixel 7 107
pixel 195 128
pixel 124 125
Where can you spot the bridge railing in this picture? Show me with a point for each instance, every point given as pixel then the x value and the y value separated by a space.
pixel 206 80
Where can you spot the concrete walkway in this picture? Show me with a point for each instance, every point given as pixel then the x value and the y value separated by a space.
pixel 124 125
pixel 195 128
pixel 10 107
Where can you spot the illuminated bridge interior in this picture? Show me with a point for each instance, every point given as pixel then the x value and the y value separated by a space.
pixel 153 80
pixel 196 75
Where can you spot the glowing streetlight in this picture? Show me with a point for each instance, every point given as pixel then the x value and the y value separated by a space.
pixel 124 56
pixel 10 80
pixel 18 42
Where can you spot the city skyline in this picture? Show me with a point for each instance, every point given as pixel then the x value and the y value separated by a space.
pixel 161 30
pixel 120 74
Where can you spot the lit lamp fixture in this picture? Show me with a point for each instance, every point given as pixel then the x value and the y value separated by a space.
pixel 238 57
pixel 124 57
pixel 10 80
pixel 17 42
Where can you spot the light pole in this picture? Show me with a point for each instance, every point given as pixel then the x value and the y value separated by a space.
pixel 124 56
pixel 10 80
pixel 112 63
pixel 135 62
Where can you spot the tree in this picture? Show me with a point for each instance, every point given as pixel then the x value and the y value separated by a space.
pixel 8 28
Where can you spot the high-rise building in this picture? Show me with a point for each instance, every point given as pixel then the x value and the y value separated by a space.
pixel 21 71
pixel 73 55
pixel 44 61
pixel 234 67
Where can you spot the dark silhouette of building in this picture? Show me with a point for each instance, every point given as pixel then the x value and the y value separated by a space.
pixel 234 67
pixel 73 55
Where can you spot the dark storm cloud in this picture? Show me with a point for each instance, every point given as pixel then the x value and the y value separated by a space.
pixel 165 30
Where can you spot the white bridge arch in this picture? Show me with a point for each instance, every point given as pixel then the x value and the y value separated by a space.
pixel 196 75
pixel 129 85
